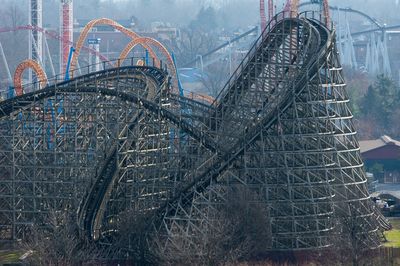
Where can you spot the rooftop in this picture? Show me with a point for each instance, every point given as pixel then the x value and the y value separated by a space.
pixel 368 145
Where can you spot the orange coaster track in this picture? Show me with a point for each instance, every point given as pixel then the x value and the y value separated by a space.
pixel 129 47
pixel 136 39
pixel 146 42
pixel 41 75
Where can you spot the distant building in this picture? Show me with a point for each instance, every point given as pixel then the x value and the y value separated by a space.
pixel 382 157
pixel 164 31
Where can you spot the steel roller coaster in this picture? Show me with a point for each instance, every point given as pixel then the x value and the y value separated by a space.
pixel 146 42
pixel 124 140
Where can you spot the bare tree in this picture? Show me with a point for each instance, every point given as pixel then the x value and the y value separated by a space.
pixel 215 77
pixel 237 230
pixel 191 43
pixel 14 43
pixel 58 242
pixel 128 238
pixel 351 242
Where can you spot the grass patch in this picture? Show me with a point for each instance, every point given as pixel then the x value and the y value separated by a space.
pixel 393 236
pixel 10 256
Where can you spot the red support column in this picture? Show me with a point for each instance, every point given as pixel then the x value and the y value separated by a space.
pixel 66 31
pixel 262 15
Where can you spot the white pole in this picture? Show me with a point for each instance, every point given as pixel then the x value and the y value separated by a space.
pixel 53 72
pixel 97 59
pixel 10 80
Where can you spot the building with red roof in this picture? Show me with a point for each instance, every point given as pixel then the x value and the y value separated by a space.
pixel 382 157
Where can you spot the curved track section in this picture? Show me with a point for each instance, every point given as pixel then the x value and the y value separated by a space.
pixel 98 112
pixel 86 30
pixel 293 57
pixel 130 46
pixel 144 41
pixel 346 10
pixel 12 105
pixel 303 163
pixel 41 75
pixel 281 129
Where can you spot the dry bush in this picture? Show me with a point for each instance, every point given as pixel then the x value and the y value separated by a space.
pixel 237 230
pixel 58 242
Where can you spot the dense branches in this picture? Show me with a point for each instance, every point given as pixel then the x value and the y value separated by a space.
pixel 238 229
pixel 59 242
pixel 378 110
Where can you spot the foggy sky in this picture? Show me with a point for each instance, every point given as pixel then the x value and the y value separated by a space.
pixel 232 13
pixel 235 12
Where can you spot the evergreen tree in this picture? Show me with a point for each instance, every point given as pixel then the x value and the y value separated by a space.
pixel 387 96
pixel 380 101
pixel 369 104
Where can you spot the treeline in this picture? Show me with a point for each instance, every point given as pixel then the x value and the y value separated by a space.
pixel 376 109
pixel 238 231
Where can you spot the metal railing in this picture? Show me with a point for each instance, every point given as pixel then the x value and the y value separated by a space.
pixel 239 70
pixel 277 18
pixel 92 68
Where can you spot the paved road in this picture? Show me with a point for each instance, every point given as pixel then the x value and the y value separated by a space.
pixel 392 189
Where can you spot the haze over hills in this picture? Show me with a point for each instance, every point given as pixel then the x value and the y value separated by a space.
pixel 233 13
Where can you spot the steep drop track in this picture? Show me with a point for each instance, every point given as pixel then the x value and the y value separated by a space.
pixel 281 128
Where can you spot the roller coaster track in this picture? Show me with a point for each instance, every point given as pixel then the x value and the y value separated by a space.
pixel 91 211
pixel 209 171
pixel 53 36
pixel 281 125
pixel 239 89
pixel 146 42
pixel 19 71
pixel 96 196
pixel 347 10
pixel 91 203
pixel 176 217
pixel 107 173
pixel 7 107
